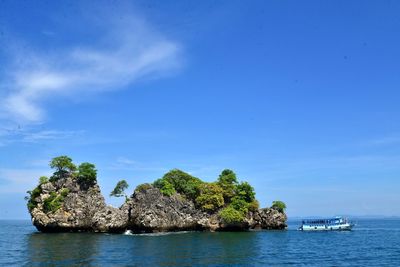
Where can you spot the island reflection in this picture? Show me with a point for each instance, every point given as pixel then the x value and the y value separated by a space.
pixel 165 249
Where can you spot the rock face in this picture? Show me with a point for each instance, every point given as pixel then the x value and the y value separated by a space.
pixel 268 218
pixel 84 209
pixel 152 211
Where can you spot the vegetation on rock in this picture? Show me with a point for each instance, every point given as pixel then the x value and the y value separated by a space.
pixel 230 215
pixel 143 187
pixel 53 202
pixel 43 179
pixel 245 192
pixel 228 182
pixel 165 187
pixel 87 173
pixel 210 197
pixel 179 181
pixel 232 199
pixel 278 205
pixel 119 190
pixel 32 203
pixel 63 166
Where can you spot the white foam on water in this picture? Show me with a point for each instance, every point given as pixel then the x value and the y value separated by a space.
pixel 128 232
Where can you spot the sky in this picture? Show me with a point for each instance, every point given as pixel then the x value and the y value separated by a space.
pixel 299 98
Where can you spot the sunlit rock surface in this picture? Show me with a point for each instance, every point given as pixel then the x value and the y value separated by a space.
pixel 84 209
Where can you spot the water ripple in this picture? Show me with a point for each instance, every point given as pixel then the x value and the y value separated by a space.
pixel 372 243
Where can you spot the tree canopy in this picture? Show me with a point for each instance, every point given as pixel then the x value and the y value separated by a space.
pixel 210 197
pixel 278 205
pixel 119 189
pixel 233 200
pixel 87 173
pixel 181 182
pixel 227 181
pixel 62 165
pixel 245 191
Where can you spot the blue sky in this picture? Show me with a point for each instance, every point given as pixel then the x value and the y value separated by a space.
pixel 300 98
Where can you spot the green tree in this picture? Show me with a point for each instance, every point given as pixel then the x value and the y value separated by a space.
pixel 240 204
pixel 43 180
pixel 87 173
pixel 63 165
pixel 227 181
pixel 183 183
pixel 119 189
pixel 166 188
pixel 245 191
pixel 211 197
pixel 278 205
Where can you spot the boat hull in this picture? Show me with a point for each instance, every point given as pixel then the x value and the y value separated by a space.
pixel 340 227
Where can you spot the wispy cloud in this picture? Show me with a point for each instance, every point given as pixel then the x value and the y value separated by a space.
pixel 50 135
pixel 19 180
pixel 33 135
pixel 123 163
pixel 125 52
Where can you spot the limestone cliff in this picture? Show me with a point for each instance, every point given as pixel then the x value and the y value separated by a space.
pixel 67 205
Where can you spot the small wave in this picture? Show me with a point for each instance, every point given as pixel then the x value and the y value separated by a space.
pixel 129 232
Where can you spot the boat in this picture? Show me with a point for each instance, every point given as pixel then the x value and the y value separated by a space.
pixel 337 223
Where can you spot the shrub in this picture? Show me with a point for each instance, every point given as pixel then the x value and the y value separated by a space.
pixel 231 216
pixel 32 196
pixel 278 205
pixel 166 188
pixel 240 204
pixel 254 205
pixel 87 173
pixel 211 197
pixel 183 183
pixel 31 205
pixel 64 192
pixel 53 202
pixel 43 180
pixel 143 187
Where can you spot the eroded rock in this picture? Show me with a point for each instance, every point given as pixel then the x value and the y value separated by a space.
pixel 83 209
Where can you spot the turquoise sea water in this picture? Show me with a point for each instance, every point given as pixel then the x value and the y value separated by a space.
pixel 372 243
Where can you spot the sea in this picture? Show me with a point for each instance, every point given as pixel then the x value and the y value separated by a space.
pixel 373 242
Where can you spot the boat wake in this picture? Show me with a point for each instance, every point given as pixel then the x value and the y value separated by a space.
pixel 129 232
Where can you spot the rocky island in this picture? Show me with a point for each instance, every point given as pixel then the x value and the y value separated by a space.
pixel 71 201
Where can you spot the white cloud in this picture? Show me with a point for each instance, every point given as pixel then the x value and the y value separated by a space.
pixel 124 53
pixel 50 135
pixel 32 135
pixel 126 161
pixel 123 163
pixel 20 180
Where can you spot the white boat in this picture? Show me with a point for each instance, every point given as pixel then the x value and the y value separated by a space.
pixel 337 223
